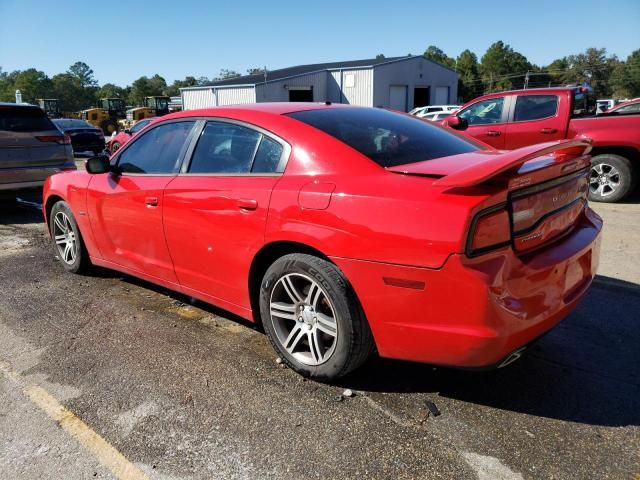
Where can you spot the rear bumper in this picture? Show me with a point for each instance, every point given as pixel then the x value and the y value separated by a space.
pixel 29 177
pixel 474 312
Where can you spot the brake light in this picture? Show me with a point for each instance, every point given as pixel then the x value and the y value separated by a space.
pixel 490 230
pixel 59 139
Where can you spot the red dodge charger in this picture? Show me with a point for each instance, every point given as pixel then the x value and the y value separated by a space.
pixel 342 230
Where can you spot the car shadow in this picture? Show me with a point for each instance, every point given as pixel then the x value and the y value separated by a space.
pixel 585 370
pixel 22 210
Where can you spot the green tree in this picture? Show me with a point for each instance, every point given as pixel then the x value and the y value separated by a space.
pixel 68 89
pixel 146 87
pixel 592 67
pixel 502 68
pixel 33 84
pixel 83 73
pixel 624 80
pixel 226 74
pixel 110 90
pixel 7 85
pixel 434 53
pixel 380 56
pixel 174 88
pixel 469 83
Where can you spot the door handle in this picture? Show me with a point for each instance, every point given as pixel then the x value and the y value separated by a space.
pixel 247 204
pixel 151 201
pixel 548 130
pixel 493 133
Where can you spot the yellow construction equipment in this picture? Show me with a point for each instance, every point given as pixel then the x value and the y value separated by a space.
pixel 154 106
pixel 107 115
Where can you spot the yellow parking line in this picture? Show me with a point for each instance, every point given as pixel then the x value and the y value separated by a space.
pixel 104 452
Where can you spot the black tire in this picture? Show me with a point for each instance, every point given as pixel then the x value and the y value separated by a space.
pixel 77 259
pixel 115 146
pixel 353 342
pixel 109 127
pixel 612 178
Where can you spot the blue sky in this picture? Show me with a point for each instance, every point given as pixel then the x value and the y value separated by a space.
pixel 123 40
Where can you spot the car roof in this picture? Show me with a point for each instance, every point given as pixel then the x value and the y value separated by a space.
pixel 630 102
pixel 276 108
pixel 18 105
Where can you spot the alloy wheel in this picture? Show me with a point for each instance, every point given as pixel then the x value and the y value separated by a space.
pixel 604 179
pixel 304 319
pixel 65 238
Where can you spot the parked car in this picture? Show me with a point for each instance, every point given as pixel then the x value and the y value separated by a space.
pixel 435 116
pixel 605 104
pixel 422 111
pixel 117 140
pixel 31 148
pixel 631 107
pixel 519 118
pixel 84 136
pixel 341 229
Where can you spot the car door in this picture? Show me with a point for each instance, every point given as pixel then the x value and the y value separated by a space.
pixel 487 120
pixel 534 118
pixel 215 211
pixel 125 206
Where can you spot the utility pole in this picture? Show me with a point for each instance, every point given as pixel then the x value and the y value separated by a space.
pixel 526 80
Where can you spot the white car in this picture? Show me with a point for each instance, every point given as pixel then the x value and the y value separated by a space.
pixel 435 116
pixel 422 111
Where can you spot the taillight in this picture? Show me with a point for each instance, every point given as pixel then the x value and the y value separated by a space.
pixel 490 230
pixel 59 139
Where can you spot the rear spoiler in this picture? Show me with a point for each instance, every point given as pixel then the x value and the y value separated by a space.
pixel 481 172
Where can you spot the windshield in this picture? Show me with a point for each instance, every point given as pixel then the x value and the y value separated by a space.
pixel 387 138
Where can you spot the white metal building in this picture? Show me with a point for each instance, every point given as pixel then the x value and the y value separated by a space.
pixel 401 83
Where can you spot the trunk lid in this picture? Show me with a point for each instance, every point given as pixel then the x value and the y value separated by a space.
pixel 546 184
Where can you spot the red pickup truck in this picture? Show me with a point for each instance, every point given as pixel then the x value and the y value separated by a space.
pixel 509 120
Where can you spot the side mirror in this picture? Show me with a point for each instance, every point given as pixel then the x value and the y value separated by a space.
pixel 456 122
pixel 98 164
pixel 127 131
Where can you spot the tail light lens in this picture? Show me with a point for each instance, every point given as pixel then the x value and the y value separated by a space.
pixel 490 229
pixel 59 139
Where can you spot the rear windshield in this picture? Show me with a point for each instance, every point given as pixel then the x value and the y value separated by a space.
pixel 387 138
pixel 584 104
pixel 64 124
pixel 24 119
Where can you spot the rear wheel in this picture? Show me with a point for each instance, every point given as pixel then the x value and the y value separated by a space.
pixel 612 178
pixel 68 243
pixel 312 317
pixel 115 146
pixel 109 127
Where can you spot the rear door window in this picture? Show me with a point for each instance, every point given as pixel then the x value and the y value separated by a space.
pixel 24 119
pixel 227 148
pixel 157 151
pixel 535 107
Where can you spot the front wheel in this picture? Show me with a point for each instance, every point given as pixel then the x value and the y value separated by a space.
pixel 68 243
pixel 313 318
pixel 611 179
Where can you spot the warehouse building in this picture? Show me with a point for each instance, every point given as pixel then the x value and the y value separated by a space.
pixel 401 83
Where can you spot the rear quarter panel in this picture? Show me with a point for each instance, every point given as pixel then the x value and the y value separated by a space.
pixel 608 131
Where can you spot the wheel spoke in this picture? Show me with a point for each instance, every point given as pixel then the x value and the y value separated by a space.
pixel 283 310
pixel 59 223
pixel 598 168
pixel 314 346
pixel 296 334
pixel 313 295
pixel 291 290
pixel 326 324
pixel 65 253
pixel 60 239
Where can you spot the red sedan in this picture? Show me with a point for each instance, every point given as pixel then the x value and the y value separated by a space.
pixel 342 230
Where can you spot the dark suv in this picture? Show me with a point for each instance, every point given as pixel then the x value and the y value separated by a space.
pixel 31 148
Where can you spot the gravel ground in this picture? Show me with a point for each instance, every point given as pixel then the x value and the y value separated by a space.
pixel 188 391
